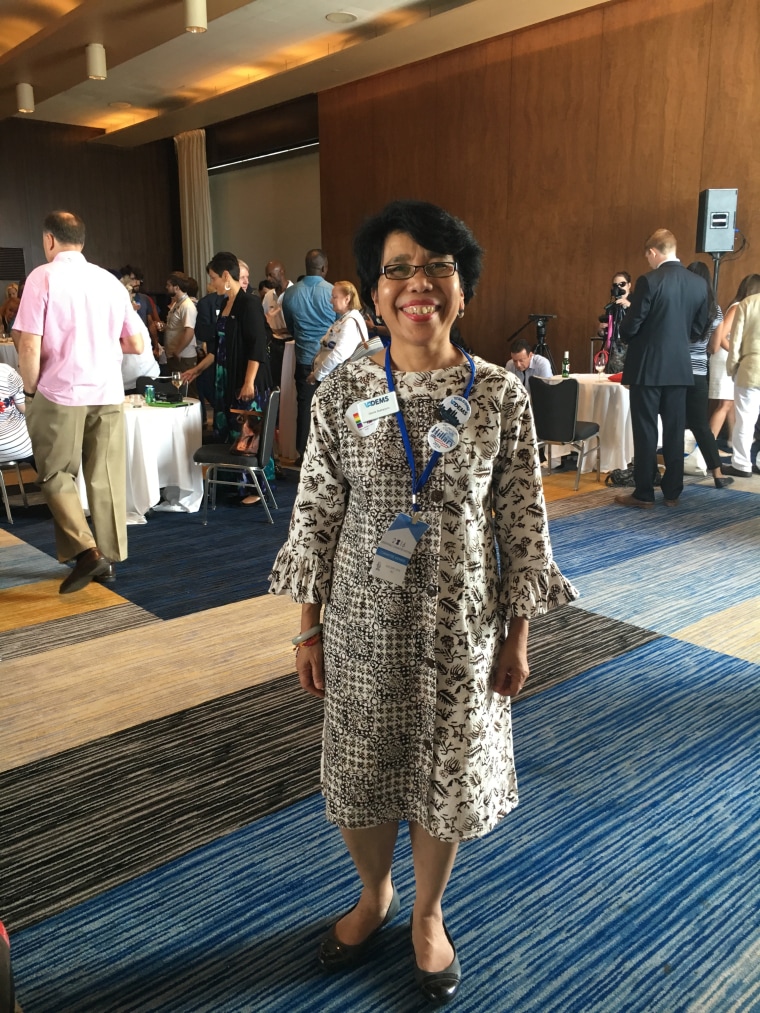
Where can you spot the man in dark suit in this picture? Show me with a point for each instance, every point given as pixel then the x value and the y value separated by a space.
pixel 668 310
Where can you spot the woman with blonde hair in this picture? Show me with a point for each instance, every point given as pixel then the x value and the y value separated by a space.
pixel 344 336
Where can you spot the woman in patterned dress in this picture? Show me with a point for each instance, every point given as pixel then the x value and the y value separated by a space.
pixel 417 676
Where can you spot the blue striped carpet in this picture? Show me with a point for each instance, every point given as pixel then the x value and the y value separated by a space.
pixel 626 880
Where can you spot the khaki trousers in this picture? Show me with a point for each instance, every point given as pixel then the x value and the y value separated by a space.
pixel 65 438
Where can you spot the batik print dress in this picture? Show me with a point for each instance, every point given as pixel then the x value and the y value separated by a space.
pixel 412 728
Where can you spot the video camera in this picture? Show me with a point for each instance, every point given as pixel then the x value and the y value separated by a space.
pixel 617 290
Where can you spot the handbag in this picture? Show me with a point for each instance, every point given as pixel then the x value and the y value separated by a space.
pixel 250 435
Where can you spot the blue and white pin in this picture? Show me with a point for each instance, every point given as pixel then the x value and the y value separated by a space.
pixel 442 437
pixel 455 410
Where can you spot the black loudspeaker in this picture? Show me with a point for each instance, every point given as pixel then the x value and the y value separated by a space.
pixel 716 221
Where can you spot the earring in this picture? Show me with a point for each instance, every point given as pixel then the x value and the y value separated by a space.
pixel 460 314
pixel 227 287
pixel 380 320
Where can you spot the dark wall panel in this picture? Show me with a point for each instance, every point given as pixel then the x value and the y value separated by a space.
pixel 127 198
pixel 563 146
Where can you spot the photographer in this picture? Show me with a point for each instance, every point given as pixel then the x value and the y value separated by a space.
pixel 611 318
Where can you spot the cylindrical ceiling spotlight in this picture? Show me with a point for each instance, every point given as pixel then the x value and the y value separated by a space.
pixel 96 62
pixel 195 16
pixel 25 98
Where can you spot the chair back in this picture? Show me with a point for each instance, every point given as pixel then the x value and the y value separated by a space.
pixel 555 409
pixel 268 423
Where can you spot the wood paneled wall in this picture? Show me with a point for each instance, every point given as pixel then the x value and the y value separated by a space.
pixel 127 198
pixel 563 146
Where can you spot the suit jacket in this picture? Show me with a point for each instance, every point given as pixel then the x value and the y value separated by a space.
pixel 668 310
pixel 743 362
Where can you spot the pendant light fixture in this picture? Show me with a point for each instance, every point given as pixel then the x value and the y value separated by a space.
pixel 25 98
pixel 96 62
pixel 195 16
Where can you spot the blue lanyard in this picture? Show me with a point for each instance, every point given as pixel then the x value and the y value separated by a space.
pixel 419 484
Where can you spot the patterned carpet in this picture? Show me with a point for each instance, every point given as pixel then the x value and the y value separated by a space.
pixel 164 848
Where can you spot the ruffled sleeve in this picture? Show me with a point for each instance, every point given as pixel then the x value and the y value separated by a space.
pixel 530 581
pixel 304 565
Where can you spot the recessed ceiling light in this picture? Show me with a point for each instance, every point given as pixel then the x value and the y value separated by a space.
pixel 120 105
pixel 341 18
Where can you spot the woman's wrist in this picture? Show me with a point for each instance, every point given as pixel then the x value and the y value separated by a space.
pixel 312 633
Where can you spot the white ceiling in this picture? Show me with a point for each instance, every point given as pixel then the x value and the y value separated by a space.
pixel 254 54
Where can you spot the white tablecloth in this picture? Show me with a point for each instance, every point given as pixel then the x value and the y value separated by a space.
pixel 160 447
pixel 8 353
pixel 609 404
pixel 286 439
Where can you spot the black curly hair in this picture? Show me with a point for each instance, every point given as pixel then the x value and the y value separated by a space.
pixel 428 225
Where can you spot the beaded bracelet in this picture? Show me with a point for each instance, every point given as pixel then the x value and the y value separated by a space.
pixel 306 635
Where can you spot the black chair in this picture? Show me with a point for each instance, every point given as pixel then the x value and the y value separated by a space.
pixel 216 457
pixel 555 412
pixel 11 463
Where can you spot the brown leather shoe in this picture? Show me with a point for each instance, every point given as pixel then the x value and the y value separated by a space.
pixel 671 502
pixel 90 564
pixel 631 501
pixel 108 577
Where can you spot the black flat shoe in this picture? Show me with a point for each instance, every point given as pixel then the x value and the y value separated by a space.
pixel 335 956
pixel 439 987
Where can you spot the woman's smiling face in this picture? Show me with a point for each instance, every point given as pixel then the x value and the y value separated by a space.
pixel 419 310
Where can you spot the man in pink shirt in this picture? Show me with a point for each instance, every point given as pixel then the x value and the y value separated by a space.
pixel 76 320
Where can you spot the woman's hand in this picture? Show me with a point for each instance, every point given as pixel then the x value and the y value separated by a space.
pixel 247 392
pixel 310 669
pixel 189 375
pixel 311 379
pixel 512 667
pixel 622 301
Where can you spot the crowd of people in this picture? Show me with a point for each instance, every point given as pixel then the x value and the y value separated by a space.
pixel 418 545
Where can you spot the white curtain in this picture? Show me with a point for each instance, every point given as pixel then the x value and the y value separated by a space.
pixel 195 204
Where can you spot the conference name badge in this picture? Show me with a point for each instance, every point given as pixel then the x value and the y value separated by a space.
pixel 355 424
pixel 395 549
pixel 442 437
pixel 378 407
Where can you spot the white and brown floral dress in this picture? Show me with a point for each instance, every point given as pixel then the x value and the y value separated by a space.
pixel 412 729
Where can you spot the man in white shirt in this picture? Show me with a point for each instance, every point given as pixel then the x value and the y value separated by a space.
pixel 179 331
pixel 524 362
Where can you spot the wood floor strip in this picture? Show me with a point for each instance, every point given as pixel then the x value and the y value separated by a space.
pixel 734 631
pixel 61 698
pixel 29 604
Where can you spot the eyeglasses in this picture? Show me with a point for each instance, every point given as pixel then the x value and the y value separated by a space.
pixel 435 269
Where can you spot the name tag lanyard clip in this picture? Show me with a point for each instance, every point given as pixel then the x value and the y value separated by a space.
pixel 419 484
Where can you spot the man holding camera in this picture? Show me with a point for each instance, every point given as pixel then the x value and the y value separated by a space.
pixel 668 310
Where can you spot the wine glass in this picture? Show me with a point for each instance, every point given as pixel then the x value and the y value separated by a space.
pixel 177 380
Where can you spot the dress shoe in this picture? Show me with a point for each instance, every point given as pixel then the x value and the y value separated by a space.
pixel 631 501
pixel 722 483
pixel 671 502
pixel 90 564
pixel 439 987
pixel 729 469
pixel 335 955
pixel 108 577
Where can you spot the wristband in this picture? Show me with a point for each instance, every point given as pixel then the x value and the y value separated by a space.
pixel 27 394
pixel 306 635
